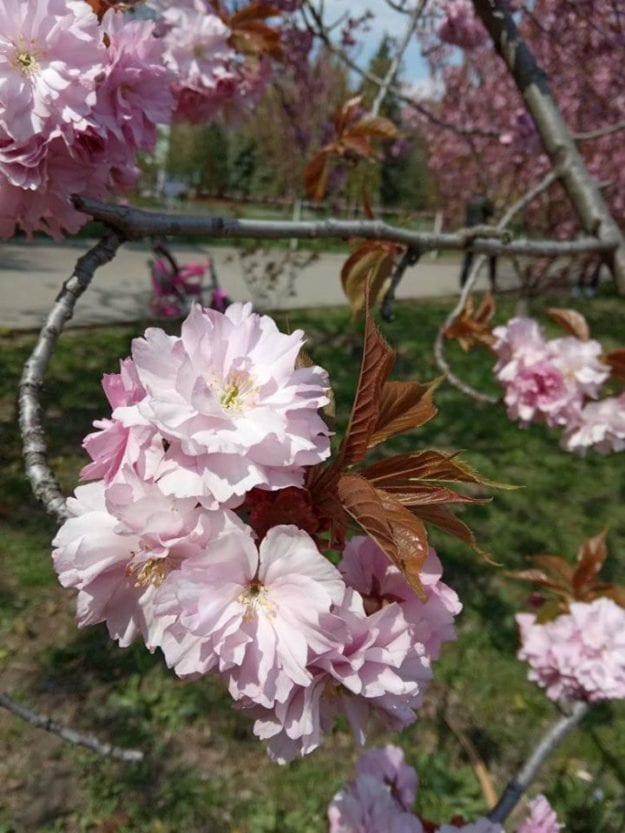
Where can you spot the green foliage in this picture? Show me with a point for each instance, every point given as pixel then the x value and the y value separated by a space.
pixel 204 770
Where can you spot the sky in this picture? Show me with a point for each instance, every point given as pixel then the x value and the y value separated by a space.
pixel 385 21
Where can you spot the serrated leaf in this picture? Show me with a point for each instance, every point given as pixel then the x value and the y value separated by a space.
pixel 469 328
pixel 316 176
pixel 427 465
pixel 539 577
pixel 377 361
pixel 410 539
pixel 361 501
pixel 444 519
pixel 366 270
pixel 419 494
pixel 590 558
pixel 404 406
pixel 571 321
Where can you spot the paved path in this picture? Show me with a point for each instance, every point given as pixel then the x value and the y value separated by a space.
pixel 31 275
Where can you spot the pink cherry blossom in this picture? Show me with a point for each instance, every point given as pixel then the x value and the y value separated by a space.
pixel 541 819
pixel 540 391
pixel 389 766
pixel 259 611
pixel 599 425
pixel 50 53
pixel 579 655
pixel 520 341
pixel 367 569
pixel 579 363
pixel 122 548
pixel 229 399
pixel 367 806
pixel 461 27
pixel 377 670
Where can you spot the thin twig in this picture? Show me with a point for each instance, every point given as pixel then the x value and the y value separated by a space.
pixel 321 30
pixel 439 344
pixel 409 258
pixel 599 132
pixel 42 481
pixel 135 223
pixel 550 741
pixel 397 57
pixel 43 721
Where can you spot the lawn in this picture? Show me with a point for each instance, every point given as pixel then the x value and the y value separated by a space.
pixel 204 770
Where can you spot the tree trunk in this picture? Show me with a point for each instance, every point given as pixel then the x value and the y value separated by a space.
pixel 592 210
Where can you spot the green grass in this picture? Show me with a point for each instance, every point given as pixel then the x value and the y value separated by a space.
pixel 204 771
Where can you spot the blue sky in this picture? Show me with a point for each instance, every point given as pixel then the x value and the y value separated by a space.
pixel 385 20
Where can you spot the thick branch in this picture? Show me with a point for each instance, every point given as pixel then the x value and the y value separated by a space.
pixel 42 721
pixel 135 223
pixel 42 480
pixel 550 741
pixel 531 81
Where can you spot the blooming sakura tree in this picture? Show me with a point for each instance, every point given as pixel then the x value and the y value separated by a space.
pixel 225 524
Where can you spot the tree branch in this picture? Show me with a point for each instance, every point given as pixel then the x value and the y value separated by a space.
pixel 42 721
pixel 397 57
pixel 550 741
pixel 42 481
pixel 134 223
pixel 320 31
pixel 439 344
pixel 531 81
pixel 599 132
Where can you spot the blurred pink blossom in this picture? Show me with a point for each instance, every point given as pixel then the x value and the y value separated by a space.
pixel 599 425
pixel 541 819
pixel 461 27
pixel 580 655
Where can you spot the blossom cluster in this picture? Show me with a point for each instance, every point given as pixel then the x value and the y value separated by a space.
pixel 557 381
pixel 580 655
pixel 199 536
pixel 209 79
pixel 460 26
pixel 78 100
pixel 79 97
pixel 384 791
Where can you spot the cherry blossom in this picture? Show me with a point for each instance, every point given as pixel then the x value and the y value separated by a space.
pixel 229 399
pixel 542 818
pixel 599 425
pixel 580 655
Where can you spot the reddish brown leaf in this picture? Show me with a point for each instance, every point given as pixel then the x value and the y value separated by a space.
pixel 403 406
pixel 356 144
pixel 444 519
pixel 366 270
pixel 316 176
pixel 322 484
pixel 558 567
pixel 571 321
pixel 376 126
pixel 616 592
pixel 539 577
pixel 377 361
pixel 470 329
pixel 413 494
pixel 426 465
pixel 616 360
pixel 410 540
pixel 590 558
pixel 345 114
pixel 363 503
pixel 255 11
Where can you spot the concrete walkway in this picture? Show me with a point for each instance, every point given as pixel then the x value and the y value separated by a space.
pixel 31 275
